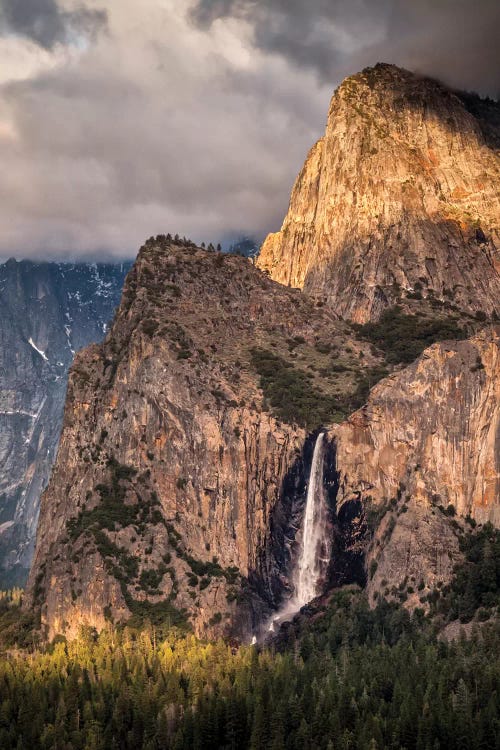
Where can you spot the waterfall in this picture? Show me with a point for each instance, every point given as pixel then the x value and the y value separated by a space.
pixel 315 546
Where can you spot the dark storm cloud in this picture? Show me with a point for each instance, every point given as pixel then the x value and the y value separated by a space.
pixel 313 33
pixel 455 40
pixel 163 124
pixel 45 23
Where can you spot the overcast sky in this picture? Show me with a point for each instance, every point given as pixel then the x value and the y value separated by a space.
pixel 125 118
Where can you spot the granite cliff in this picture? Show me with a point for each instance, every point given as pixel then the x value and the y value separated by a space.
pixel 398 200
pixel 47 312
pixel 422 455
pixel 181 476
pixel 182 472
pixel 170 463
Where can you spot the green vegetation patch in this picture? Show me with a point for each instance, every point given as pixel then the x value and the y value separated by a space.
pixel 17 627
pixel 210 569
pixel 163 613
pixel 112 510
pixel 403 337
pixel 475 587
pixel 293 398
pixel 118 561
pixel 150 579
pixel 291 394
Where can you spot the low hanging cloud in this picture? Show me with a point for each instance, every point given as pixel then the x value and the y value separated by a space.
pixel 455 40
pixel 187 116
pixel 46 23
pixel 156 127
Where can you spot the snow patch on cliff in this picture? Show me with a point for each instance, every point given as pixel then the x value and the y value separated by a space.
pixel 35 347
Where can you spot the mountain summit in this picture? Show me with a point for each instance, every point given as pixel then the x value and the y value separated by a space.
pixel 398 200
pixel 189 438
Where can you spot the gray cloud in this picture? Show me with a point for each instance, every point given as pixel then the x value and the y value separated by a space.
pixel 44 22
pixel 158 127
pixel 455 40
pixel 168 125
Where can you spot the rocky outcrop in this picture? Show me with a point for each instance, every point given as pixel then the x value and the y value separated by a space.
pixel 47 312
pixel 181 476
pixel 170 463
pixel 398 200
pixel 424 448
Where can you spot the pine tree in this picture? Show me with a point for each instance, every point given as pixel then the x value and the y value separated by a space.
pixel 260 735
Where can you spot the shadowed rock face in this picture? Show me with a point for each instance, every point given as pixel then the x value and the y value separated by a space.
pixel 47 311
pixel 400 197
pixel 169 463
pixel 428 438
pixel 345 521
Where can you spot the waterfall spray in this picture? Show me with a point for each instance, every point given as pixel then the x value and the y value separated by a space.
pixel 315 545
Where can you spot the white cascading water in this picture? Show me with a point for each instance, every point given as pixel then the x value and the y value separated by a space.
pixel 315 546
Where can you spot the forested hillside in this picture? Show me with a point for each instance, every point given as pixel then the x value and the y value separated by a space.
pixel 355 678
pixel 341 676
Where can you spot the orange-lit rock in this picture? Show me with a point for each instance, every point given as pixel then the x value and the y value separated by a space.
pixel 172 394
pixel 428 438
pixel 401 195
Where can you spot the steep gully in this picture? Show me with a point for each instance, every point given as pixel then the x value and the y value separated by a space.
pixel 322 553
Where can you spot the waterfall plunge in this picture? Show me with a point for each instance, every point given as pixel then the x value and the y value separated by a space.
pixel 315 546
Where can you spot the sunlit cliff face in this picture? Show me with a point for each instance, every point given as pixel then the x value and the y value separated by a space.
pixel 171 459
pixel 399 196
pixel 186 428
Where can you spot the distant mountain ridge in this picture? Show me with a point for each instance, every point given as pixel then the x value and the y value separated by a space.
pixel 48 311
pixel 246 246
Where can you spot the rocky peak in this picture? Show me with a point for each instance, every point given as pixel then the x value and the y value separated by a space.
pixel 398 200
pixel 180 431
pixel 181 476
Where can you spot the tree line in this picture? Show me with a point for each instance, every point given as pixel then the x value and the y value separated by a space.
pixel 350 678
